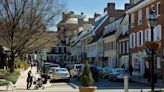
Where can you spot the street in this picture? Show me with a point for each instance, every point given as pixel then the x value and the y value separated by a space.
pixel 102 86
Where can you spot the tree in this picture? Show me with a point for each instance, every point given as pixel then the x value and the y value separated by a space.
pixel 24 24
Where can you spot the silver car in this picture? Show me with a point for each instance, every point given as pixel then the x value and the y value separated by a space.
pixel 59 74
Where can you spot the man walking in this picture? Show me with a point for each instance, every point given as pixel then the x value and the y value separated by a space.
pixel 29 79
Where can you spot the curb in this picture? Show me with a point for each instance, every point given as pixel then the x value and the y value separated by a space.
pixel 73 86
pixel 158 85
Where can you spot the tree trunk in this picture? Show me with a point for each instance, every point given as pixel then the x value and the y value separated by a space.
pixel 12 63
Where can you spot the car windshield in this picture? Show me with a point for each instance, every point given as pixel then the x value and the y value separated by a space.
pixel 78 67
pixel 54 65
pixel 61 70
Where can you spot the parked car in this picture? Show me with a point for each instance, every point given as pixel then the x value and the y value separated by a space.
pixel 100 70
pixel 94 71
pixel 76 69
pixel 59 74
pixel 107 72
pixel 118 75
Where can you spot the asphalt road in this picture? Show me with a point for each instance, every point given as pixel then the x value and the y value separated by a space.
pixel 102 86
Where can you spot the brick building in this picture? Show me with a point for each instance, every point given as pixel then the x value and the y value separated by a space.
pixel 141 33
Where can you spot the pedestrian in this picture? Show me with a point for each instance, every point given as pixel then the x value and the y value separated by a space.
pixel 130 69
pixel 123 66
pixel 29 79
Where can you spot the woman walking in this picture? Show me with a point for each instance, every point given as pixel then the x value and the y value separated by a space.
pixel 29 79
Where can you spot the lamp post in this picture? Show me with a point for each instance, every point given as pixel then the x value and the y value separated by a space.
pixel 152 20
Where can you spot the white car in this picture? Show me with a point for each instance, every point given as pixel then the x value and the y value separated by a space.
pixel 76 69
pixel 59 74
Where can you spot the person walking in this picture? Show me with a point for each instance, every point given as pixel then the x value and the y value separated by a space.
pixel 130 69
pixel 29 79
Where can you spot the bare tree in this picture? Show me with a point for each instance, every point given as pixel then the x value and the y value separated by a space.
pixel 24 24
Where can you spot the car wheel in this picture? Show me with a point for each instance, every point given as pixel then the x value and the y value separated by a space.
pixel 67 80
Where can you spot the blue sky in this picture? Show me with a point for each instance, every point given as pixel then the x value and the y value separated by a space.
pixel 89 7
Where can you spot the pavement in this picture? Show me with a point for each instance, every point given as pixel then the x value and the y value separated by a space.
pixel 21 82
pixel 160 82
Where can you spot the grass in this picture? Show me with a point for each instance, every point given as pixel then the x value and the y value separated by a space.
pixel 3 82
pixel 6 75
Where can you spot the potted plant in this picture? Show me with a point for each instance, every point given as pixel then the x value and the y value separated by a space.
pixel 86 80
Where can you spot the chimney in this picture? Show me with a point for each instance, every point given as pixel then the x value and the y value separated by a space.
pixel 80 22
pixel 111 7
pixel 82 13
pixel 71 12
pixel 127 6
pixel 96 15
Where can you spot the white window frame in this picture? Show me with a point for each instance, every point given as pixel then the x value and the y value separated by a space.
pixel 120 47
pixel 158 12
pixel 147 12
pixel 127 46
pixel 132 20
pixel 139 17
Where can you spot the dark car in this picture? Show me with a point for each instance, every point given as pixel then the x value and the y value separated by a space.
pixel 95 73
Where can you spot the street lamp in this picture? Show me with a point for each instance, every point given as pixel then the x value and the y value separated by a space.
pixel 152 21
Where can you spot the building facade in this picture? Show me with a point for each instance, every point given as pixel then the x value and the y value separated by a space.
pixel 141 33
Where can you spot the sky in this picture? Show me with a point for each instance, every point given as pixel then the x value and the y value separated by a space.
pixel 89 7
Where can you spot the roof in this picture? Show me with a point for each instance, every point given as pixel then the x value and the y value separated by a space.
pixel 99 21
pixel 110 33
pixel 122 36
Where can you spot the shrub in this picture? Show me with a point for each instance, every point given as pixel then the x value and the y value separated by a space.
pixel 4 82
pixel 86 78
pixel 19 63
pixel 13 77
pixel 5 74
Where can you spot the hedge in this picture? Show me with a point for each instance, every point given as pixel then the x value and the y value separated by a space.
pixel 5 74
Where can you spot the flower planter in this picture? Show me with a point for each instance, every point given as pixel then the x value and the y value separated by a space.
pixel 152 45
pixel 88 89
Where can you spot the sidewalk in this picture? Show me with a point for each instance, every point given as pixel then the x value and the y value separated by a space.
pixel 145 81
pixel 21 82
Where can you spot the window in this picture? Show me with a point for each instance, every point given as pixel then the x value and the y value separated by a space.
pixel 139 17
pixel 147 12
pixel 132 20
pixel 127 46
pixel 111 19
pixel 132 40
pixel 62 49
pixel 157 33
pixel 56 49
pixel 158 8
pixel 120 47
pixel 140 38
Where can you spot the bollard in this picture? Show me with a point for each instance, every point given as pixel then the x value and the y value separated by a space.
pixel 126 83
